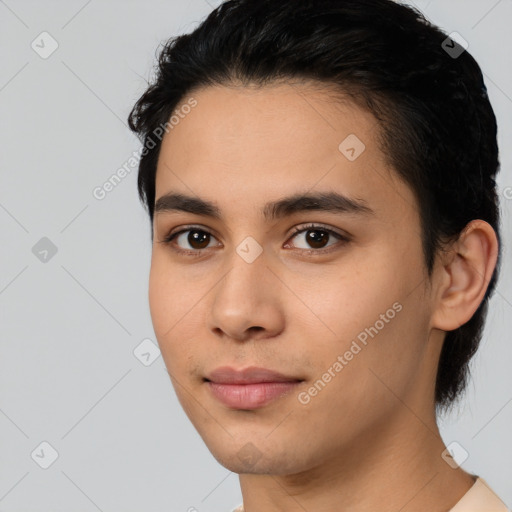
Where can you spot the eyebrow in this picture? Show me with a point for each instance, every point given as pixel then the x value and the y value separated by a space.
pixel 287 206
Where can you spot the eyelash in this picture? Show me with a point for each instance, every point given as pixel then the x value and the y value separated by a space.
pixel 310 227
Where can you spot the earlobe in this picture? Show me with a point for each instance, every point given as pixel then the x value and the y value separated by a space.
pixel 467 270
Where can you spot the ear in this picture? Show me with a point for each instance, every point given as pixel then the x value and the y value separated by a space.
pixel 464 274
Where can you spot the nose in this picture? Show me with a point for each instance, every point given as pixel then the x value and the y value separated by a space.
pixel 247 301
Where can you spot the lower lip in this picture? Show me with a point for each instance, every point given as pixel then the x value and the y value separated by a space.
pixel 250 396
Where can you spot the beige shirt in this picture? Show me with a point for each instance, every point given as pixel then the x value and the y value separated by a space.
pixel 479 498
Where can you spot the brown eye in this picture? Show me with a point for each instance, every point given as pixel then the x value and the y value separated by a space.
pixel 196 239
pixel 201 238
pixel 317 237
pixel 193 241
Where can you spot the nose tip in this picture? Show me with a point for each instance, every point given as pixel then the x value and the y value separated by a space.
pixel 246 302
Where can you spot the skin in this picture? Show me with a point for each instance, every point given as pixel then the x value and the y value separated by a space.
pixel 369 439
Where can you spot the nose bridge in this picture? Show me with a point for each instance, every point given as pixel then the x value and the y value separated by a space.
pixel 248 270
pixel 246 296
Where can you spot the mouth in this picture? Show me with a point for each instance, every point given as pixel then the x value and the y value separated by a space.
pixel 250 396
pixel 250 388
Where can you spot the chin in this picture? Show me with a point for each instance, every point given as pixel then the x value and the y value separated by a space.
pixel 256 457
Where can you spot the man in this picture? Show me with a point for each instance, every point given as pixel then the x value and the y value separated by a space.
pixel 320 181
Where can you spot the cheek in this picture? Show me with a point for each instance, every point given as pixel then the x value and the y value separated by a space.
pixel 169 297
pixel 373 316
pixel 356 384
pixel 346 300
pixel 173 304
pixel 160 300
pixel 166 309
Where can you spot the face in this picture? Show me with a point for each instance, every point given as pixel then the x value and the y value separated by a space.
pixel 331 294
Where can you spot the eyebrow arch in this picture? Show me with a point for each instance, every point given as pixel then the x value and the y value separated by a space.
pixel 323 201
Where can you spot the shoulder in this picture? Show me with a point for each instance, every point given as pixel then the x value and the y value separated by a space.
pixel 480 498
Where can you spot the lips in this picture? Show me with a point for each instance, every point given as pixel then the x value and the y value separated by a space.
pixel 252 375
pixel 250 388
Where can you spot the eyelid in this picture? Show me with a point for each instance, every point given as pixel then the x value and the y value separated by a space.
pixel 185 228
pixel 311 226
pixel 343 237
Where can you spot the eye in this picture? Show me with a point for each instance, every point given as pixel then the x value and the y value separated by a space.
pixel 317 236
pixel 197 239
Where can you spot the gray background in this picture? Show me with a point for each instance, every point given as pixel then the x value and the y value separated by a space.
pixel 71 321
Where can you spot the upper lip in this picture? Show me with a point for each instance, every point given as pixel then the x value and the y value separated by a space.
pixel 251 375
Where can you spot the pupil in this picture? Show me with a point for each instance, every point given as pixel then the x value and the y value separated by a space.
pixel 195 237
pixel 316 241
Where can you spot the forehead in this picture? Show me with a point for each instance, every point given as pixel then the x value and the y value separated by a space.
pixel 241 146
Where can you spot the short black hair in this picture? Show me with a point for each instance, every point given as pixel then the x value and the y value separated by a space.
pixel 437 127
